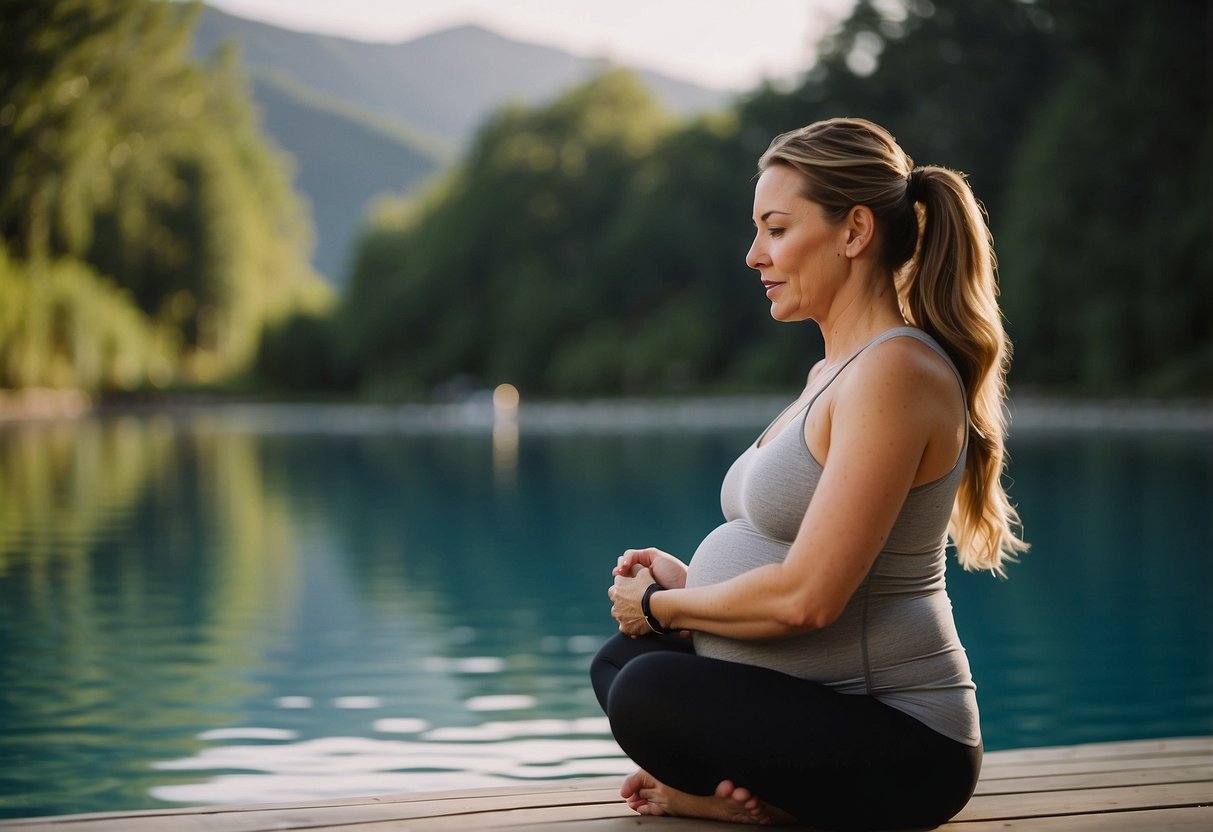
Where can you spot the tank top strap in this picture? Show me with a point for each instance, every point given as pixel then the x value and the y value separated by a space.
pixel 801 413
pixel 888 335
pixel 922 337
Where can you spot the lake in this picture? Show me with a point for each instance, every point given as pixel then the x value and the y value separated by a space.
pixel 237 604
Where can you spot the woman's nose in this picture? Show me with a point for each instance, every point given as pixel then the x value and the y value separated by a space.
pixel 755 258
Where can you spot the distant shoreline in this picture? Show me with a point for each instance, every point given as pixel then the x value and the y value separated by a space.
pixel 1030 413
pixel 1027 413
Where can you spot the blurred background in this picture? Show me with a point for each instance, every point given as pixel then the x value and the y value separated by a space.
pixel 344 346
pixel 190 199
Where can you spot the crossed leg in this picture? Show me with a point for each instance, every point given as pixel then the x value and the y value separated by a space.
pixel 647 795
pixel 740 743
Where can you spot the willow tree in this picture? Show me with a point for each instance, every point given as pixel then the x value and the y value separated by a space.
pixel 120 153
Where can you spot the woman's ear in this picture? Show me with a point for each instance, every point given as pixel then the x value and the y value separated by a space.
pixel 860 225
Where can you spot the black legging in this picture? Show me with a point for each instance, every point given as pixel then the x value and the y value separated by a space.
pixel 832 760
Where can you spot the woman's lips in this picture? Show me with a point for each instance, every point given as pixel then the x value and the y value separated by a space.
pixel 771 286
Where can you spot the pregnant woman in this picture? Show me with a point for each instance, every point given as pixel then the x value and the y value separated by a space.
pixel 805 667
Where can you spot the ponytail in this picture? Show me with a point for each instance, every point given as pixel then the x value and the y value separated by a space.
pixel 937 245
pixel 948 290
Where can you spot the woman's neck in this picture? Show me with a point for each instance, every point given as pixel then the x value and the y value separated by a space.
pixel 859 319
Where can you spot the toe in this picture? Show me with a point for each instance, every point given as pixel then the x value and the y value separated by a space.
pixel 633 783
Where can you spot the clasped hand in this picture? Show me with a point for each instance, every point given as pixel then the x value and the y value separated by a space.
pixel 625 595
pixel 635 570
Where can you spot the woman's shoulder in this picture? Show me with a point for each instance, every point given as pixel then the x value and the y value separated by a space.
pixel 906 373
pixel 909 354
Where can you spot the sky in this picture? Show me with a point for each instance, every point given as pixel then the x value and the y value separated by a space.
pixel 724 44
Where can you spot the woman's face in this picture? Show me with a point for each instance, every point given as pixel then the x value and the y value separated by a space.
pixel 796 249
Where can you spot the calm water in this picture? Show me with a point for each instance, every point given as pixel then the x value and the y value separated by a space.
pixel 213 608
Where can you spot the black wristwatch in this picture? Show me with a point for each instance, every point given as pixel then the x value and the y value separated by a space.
pixel 647 612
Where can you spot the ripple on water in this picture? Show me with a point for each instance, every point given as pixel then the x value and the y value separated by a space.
pixel 491 754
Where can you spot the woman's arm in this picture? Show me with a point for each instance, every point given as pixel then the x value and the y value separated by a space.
pixel 881 418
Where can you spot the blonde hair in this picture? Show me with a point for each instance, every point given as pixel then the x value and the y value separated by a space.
pixel 936 243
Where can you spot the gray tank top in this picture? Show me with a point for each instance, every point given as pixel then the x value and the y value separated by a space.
pixel 896 639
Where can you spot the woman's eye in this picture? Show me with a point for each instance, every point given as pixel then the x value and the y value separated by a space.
pixel 775 232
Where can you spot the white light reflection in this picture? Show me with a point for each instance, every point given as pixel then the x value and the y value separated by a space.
pixel 249 734
pixel 503 702
pixel 505 433
pixel 400 725
pixel 472 664
pixel 493 754
pixel 494 731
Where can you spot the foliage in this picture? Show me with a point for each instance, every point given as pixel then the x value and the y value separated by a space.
pixel 954 81
pixel 119 154
pixel 63 325
pixel 628 274
pixel 1109 229
pixel 594 244
pixel 299 354
pixel 498 270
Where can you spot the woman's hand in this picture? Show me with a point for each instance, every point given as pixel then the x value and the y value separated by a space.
pixel 666 569
pixel 626 594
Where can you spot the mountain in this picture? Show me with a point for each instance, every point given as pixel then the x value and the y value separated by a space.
pixel 443 83
pixel 344 158
pixel 362 119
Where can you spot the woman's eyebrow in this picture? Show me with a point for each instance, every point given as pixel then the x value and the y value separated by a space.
pixel 773 211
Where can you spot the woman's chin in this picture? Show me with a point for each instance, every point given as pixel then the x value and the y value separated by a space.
pixel 787 316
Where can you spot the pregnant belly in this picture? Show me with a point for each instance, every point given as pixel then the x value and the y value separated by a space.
pixel 731 549
pixel 828 656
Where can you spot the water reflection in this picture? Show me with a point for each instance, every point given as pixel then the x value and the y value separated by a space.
pixel 173 589
pixel 109 633
pixel 1104 630
pixel 216 609
pixel 491 754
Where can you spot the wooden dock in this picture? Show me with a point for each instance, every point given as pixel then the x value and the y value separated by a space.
pixel 1145 785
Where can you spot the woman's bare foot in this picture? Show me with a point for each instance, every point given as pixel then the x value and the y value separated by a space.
pixel 646 795
pixel 750 802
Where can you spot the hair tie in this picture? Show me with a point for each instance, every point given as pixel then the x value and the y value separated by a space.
pixel 913 185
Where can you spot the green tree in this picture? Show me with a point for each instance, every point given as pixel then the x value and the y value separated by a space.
pixel 97 101
pixel 1108 243
pixel 117 151
pixel 494 271
pixel 626 273
pixel 954 80
pixel 63 325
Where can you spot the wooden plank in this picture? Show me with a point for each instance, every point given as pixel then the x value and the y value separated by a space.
pixel 1133 749
pixel 581 786
pixel 604 790
pixel 1161 820
pixel 1187 819
pixel 1097 780
pixel 1156 784
pixel 993 774
pixel 527 818
pixel 1080 801
pixel 412 808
